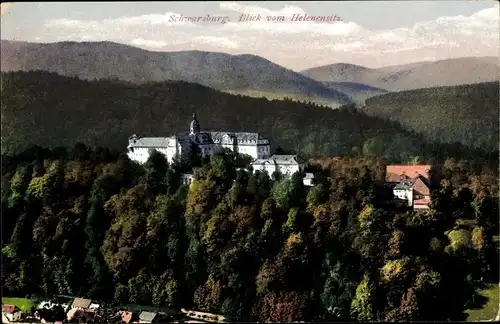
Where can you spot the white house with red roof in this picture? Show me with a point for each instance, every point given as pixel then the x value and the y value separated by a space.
pixel 410 183
pixel 11 312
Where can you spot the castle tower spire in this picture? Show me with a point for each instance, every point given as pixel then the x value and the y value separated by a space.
pixel 194 127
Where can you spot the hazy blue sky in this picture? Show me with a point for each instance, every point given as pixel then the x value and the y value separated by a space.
pixel 372 33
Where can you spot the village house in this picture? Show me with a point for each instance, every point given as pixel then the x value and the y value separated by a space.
pixel 126 316
pixel 52 304
pixel 203 316
pixel 309 179
pixel 285 164
pixel 11 313
pixel 50 314
pixel 187 178
pixel 410 183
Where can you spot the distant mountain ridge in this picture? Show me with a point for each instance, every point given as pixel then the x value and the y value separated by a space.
pixel 467 70
pixel 250 75
pixel 95 60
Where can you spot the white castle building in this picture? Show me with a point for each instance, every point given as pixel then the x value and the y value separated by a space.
pixel 253 144
pixel 209 143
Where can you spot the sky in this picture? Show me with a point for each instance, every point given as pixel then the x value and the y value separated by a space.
pixel 370 33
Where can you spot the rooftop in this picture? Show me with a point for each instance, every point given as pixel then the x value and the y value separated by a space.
pixel 279 159
pixel 405 184
pixel 147 316
pixel 206 137
pixel 9 308
pixel 126 316
pixel 410 171
pixel 81 303
pixel 150 141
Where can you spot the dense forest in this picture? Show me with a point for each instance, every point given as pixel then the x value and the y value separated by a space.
pixel 465 113
pixel 90 222
pixel 50 110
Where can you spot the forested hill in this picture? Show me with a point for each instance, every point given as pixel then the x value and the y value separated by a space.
pixel 95 225
pixel 465 113
pixel 239 73
pixel 40 108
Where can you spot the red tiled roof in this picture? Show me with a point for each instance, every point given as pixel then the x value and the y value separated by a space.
pixel 391 177
pixel 411 171
pixel 420 187
pixel 8 308
pixel 126 316
pixel 424 201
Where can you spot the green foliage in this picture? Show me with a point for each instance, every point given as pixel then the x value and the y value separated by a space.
pixel 393 270
pixel 459 239
pixel 105 112
pixel 97 225
pixel 361 306
pixel 24 304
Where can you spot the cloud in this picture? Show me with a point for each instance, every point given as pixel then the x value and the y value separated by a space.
pixel 246 9
pixel 315 42
pixel 283 23
pixel 214 40
pixel 148 43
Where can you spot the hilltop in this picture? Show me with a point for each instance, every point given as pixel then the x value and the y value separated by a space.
pixel 246 73
pixel 467 70
pixel 50 110
pixel 465 113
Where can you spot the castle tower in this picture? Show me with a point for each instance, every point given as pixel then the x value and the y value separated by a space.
pixel 194 127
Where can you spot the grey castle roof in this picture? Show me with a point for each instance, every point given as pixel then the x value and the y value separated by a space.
pixel 198 137
pixel 209 137
pixel 241 137
pixel 151 142
pixel 405 184
pixel 280 160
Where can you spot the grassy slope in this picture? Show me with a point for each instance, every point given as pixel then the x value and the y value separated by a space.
pixel 467 113
pixel 357 92
pixel 490 308
pixel 280 96
pixel 23 303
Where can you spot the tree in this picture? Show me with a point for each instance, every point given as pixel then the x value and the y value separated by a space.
pixel 338 292
pixel 361 305
pixel 156 173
